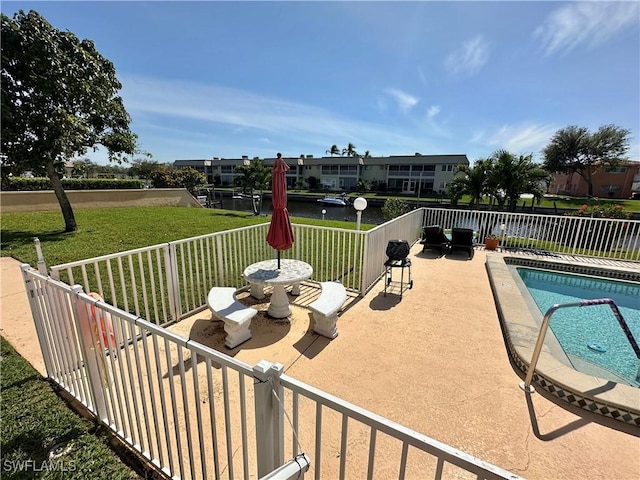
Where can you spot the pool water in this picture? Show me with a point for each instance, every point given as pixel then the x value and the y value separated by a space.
pixel 590 333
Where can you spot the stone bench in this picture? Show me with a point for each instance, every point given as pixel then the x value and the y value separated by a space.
pixel 325 309
pixel 236 317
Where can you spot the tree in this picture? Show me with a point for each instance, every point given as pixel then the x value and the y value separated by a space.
pixel 509 176
pixel 188 178
pixel 362 186
pixel 254 176
pixel 59 98
pixel 575 149
pixel 472 181
pixel 83 168
pixel 333 151
pixel 394 207
pixel 350 151
pixel 143 168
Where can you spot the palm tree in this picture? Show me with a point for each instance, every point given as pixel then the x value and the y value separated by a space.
pixel 350 151
pixel 333 151
pixel 511 176
pixel 262 182
pixel 254 176
pixel 472 181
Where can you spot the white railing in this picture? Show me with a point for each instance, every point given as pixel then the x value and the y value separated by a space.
pixel 194 412
pixel 594 237
pixel 164 283
pixel 406 227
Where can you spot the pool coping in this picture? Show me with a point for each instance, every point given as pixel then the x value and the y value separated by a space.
pixel 521 321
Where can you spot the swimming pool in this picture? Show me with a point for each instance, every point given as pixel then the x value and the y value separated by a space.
pixel 580 383
pixel 590 336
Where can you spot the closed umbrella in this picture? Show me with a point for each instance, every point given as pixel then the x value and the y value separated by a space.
pixel 280 234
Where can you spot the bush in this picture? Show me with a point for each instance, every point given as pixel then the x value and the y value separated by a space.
pixel 394 207
pixel 187 177
pixel 30 184
pixel 607 210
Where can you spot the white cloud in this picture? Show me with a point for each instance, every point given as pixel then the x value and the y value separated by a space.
pixel 589 23
pixel 405 101
pixel 433 111
pixel 256 116
pixel 469 58
pixel 527 138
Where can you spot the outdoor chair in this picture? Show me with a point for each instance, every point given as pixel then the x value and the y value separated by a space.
pixel 433 237
pixel 462 239
pixel 397 257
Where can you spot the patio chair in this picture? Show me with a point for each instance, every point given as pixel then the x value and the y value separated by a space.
pixel 397 257
pixel 462 239
pixel 433 237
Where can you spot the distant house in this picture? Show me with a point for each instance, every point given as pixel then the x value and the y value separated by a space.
pixel 608 182
pixel 397 173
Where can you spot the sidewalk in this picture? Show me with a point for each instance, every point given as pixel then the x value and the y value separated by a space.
pixel 16 322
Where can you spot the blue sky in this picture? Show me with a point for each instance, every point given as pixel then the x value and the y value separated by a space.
pixel 226 79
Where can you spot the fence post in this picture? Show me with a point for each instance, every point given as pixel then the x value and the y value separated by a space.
pixel 173 286
pixel 32 292
pixel 269 414
pixel 42 265
pixel 87 341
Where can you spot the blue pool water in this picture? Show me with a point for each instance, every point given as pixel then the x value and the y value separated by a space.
pixel 577 328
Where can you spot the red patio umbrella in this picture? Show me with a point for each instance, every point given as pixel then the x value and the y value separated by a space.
pixel 280 234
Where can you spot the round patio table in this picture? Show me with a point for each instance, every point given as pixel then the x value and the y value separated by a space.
pixel 291 272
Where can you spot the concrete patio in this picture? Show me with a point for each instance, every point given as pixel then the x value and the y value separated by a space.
pixel 434 360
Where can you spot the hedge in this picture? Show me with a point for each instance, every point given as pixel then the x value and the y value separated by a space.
pixel 42 183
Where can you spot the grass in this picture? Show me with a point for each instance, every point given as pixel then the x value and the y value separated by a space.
pixel 41 437
pixel 103 231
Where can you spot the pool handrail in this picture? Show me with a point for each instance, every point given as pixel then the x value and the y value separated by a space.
pixel 526 385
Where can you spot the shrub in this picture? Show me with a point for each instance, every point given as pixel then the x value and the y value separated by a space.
pixel 187 177
pixel 30 184
pixel 607 210
pixel 394 207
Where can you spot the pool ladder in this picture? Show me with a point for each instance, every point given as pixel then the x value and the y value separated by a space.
pixel 526 385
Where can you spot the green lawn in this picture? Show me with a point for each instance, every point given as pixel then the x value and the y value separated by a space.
pixel 102 231
pixel 41 437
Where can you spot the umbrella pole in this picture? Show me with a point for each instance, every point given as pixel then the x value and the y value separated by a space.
pixel 278 259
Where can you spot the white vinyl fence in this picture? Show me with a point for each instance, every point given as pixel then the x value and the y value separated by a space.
pixel 593 237
pixel 194 412
pixel 197 413
pixel 164 283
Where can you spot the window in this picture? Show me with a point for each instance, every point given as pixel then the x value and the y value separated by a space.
pixel 615 169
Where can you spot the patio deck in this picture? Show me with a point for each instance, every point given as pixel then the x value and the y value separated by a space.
pixel 434 361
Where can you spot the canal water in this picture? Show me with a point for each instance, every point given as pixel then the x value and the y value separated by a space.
pixel 371 215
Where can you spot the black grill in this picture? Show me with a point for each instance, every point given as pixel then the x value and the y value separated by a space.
pixel 397 249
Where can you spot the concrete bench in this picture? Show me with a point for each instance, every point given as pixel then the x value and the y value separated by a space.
pixel 236 317
pixel 325 309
